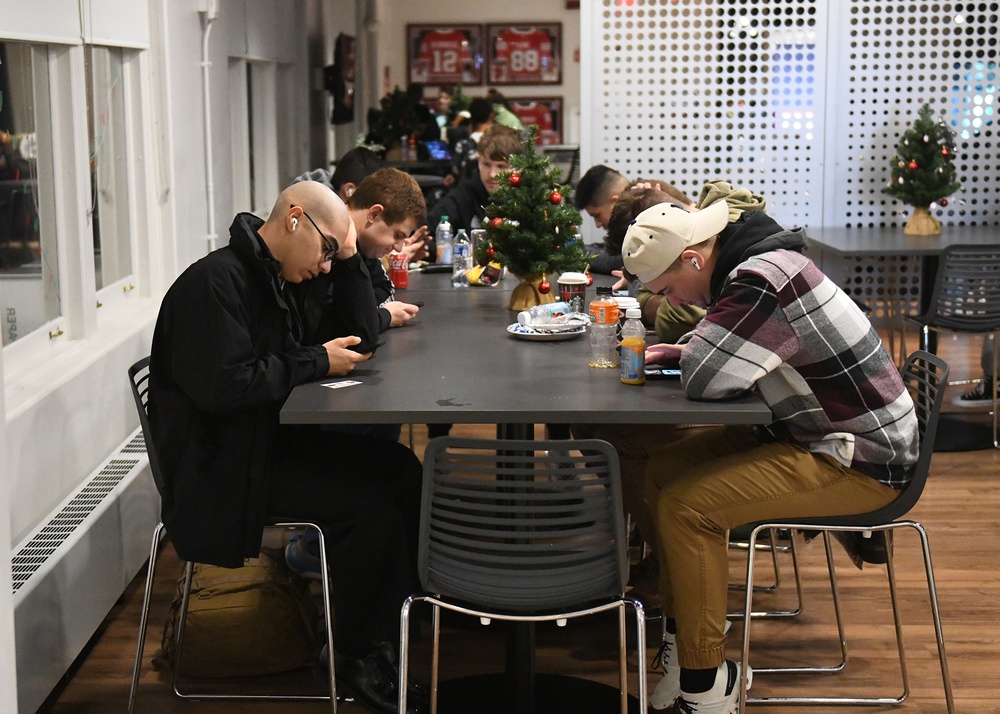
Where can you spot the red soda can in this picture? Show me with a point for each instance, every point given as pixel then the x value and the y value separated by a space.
pixel 399 270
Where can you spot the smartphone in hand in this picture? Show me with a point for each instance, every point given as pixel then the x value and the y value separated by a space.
pixel 657 372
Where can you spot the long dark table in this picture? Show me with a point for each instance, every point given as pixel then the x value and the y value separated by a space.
pixel 456 364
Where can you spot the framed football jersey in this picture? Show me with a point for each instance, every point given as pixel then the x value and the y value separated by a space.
pixel 546 112
pixel 524 54
pixel 444 54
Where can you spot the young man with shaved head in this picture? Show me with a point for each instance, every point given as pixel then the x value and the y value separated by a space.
pixel 226 352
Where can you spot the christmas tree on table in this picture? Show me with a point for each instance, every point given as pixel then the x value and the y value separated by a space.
pixel 923 171
pixel 532 226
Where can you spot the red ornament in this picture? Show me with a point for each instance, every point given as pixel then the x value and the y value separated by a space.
pixel 912 165
pixel 497 222
pixel 590 280
pixel 490 252
pixel 515 179
pixel 544 287
pixel 555 197
pixel 943 201
pixel 944 151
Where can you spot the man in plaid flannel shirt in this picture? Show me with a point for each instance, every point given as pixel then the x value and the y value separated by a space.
pixel 843 439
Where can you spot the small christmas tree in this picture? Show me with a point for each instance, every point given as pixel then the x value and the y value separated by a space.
pixel 923 170
pixel 532 226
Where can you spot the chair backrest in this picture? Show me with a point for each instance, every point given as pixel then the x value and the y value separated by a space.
pixel 522 526
pixel 138 375
pixel 966 295
pixel 925 376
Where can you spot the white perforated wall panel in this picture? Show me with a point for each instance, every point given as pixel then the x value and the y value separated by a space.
pixel 801 100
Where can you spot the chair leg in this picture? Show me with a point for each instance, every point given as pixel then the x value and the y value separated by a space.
pixel 935 612
pixel 404 653
pixel 327 600
pixel 819 669
pixel 867 701
pixel 327 620
pixel 747 617
pixel 144 616
pixel 996 379
pixel 622 663
pixel 640 645
pixel 775 549
pixel 181 621
pixel 435 657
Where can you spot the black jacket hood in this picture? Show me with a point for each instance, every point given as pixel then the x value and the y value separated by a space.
pixel 751 234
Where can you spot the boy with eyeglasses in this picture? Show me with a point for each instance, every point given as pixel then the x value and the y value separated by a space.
pixel 227 350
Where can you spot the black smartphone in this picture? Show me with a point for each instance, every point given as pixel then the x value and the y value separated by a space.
pixel 362 348
pixel 657 372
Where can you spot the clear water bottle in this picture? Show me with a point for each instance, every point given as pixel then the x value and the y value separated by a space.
pixel 543 314
pixel 461 254
pixel 443 242
pixel 603 330
pixel 633 348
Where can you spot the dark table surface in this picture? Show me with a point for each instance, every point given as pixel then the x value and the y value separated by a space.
pixel 455 363
pixel 892 241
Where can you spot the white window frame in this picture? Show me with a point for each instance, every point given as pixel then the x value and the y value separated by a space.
pixel 65 201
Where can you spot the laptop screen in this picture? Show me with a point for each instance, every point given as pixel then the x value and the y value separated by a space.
pixel 437 150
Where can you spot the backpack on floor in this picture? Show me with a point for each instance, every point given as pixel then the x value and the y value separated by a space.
pixel 255 620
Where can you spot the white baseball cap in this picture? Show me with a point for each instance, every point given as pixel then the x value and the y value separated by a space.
pixel 661 233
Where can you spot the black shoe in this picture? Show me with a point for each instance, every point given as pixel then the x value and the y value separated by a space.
pixel 863 550
pixel 372 681
pixel 416 693
pixel 978 396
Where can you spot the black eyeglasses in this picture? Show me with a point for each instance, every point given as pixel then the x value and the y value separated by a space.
pixel 330 244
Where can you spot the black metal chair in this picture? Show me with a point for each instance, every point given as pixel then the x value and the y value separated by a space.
pixel 522 531
pixel 926 376
pixel 139 380
pixel 966 300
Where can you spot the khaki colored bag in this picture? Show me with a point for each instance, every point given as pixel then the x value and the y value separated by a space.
pixel 255 620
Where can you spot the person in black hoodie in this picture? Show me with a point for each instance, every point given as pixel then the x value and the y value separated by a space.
pixel 226 353
pixel 465 204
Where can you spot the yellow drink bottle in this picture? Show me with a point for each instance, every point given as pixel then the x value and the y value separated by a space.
pixel 633 359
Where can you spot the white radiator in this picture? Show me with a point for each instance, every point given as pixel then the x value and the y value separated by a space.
pixel 69 572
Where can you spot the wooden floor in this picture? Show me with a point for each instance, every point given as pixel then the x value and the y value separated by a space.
pixel 959 509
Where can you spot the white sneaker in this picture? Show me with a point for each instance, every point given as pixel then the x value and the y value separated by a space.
pixel 722 698
pixel 668 688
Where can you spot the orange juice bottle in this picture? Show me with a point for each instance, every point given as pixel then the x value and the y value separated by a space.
pixel 633 359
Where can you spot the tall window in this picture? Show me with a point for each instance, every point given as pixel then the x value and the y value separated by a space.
pixel 29 270
pixel 109 212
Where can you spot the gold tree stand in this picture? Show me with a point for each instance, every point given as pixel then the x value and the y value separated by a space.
pixel 922 223
pixel 526 295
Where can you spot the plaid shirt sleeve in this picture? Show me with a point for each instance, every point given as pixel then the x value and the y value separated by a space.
pixel 784 330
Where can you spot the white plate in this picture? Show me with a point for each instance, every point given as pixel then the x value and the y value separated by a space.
pixel 526 332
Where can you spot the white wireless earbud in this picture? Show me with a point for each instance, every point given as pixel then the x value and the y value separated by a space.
pixel 350 192
pixel 694 262
pixel 295 222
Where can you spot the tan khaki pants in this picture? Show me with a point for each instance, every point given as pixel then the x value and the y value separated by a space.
pixel 721 478
pixel 634 444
